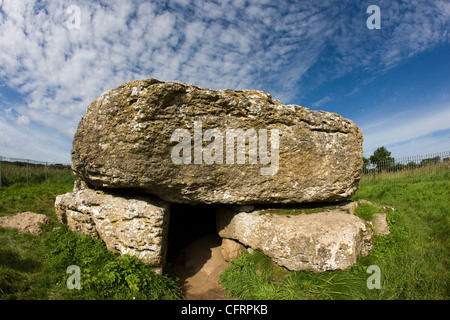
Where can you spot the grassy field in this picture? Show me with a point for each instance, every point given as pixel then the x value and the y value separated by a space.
pixel 32 173
pixel 413 259
pixel 36 267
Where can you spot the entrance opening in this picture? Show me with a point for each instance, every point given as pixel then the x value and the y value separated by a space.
pixel 194 251
pixel 187 224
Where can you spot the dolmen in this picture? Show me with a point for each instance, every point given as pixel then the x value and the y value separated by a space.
pixel 280 175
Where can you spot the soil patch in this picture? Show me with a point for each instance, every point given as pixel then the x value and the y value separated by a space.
pixel 25 222
pixel 198 266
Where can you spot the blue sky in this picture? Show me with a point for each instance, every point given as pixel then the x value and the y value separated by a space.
pixel 393 82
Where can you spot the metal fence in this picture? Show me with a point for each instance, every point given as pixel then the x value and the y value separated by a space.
pixel 435 166
pixel 432 166
pixel 13 170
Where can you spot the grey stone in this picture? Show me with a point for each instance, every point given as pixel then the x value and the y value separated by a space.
pixel 380 225
pixel 130 138
pixel 136 226
pixel 318 241
pixel 231 249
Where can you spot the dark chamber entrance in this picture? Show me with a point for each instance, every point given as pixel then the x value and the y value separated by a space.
pixel 187 224
pixel 194 251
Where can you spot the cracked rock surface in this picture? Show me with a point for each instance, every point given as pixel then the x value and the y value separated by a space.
pixel 135 225
pixel 125 141
pixel 319 241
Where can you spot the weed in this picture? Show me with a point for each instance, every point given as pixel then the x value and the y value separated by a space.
pixel 36 267
pixel 103 274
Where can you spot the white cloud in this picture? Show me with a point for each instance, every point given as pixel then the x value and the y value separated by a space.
pixel 30 142
pixel 322 101
pixel 428 145
pixel 23 120
pixel 232 44
pixel 402 131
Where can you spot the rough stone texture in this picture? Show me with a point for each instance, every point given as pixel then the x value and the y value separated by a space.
pixel 133 225
pixel 231 249
pixel 317 241
pixel 380 225
pixel 124 141
pixel 29 222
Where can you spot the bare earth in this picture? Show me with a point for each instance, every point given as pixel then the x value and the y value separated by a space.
pixel 25 222
pixel 199 267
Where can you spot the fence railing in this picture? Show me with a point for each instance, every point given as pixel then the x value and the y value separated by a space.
pixel 14 170
pixel 420 166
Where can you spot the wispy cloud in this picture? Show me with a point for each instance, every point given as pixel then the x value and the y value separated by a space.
pixel 23 120
pixel 427 145
pixel 322 101
pixel 267 45
pixel 30 142
pixel 404 130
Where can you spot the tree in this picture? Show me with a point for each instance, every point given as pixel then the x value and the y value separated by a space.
pixel 433 160
pixel 366 163
pixel 382 158
pixel 411 165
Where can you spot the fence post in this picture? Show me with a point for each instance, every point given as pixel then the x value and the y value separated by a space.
pixel 28 161
pixel 0 171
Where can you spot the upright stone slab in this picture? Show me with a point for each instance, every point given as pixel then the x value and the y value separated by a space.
pixel 132 225
pixel 186 144
pixel 318 241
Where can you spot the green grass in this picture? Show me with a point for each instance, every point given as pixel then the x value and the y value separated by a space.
pixel 254 276
pixel 366 211
pixel 413 259
pixel 36 267
pixel 103 274
pixel 307 209
pixel 29 173
pixel 39 198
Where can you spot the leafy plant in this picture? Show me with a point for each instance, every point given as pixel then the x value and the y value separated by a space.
pixel 103 274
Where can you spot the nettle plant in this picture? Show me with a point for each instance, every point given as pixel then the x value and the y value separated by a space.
pixel 103 274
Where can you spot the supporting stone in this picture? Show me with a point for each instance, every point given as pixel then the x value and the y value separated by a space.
pixel 231 249
pixel 317 241
pixel 132 225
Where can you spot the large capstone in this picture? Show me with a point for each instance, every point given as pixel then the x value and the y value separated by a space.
pixel 187 144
